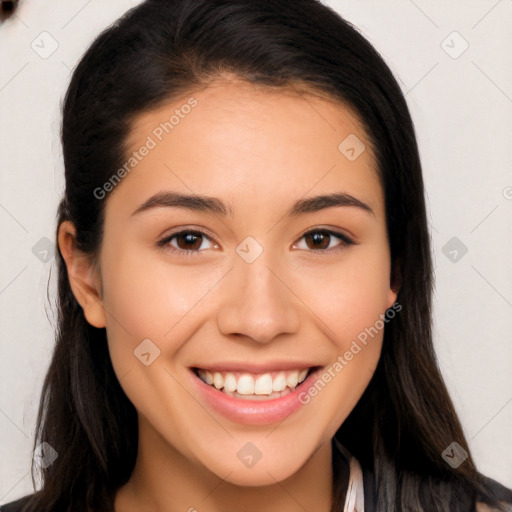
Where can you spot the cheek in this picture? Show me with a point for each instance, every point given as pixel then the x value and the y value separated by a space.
pixel 156 301
pixel 348 297
pixel 349 301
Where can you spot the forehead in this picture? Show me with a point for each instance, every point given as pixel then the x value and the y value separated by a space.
pixel 244 137
pixel 233 101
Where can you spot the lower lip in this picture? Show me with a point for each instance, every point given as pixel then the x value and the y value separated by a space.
pixel 253 412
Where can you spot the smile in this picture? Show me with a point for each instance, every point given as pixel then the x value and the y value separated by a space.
pixel 254 386
pixel 255 397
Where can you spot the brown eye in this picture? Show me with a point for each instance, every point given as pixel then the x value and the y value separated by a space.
pixel 320 239
pixel 7 8
pixel 188 240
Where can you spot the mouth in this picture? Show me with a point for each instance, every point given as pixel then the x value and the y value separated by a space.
pixel 253 394
pixel 255 386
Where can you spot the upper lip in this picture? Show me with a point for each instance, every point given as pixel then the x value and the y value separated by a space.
pixel 253 367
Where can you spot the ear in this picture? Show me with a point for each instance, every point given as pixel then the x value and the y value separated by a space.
pixel 83 277
pixel 395 282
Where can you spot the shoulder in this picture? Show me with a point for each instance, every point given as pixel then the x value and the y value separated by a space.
pixel 16 506
pixel 502 493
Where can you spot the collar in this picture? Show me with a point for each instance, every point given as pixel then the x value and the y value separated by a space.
pixel 354 501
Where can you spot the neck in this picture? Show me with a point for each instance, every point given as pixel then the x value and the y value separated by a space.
pixel 164 479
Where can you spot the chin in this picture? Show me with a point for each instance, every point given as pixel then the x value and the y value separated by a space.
pixel 252 477
pixel 264 472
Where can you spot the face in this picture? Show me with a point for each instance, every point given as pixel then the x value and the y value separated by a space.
pixel 252 290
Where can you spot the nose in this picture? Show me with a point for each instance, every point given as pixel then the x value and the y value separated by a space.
pixel 258 301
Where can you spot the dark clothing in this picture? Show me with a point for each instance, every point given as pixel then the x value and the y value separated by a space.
pixel 15 506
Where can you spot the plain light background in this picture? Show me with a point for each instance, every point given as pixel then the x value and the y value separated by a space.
pixel 461 102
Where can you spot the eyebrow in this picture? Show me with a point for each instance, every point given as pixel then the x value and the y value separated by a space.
pixel 208 204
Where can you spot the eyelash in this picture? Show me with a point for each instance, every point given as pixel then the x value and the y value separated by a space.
pixel 193 253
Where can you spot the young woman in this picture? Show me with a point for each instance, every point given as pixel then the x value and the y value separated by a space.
pixel 244 277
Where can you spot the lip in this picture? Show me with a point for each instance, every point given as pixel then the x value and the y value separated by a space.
pixel 252 412
pixel 248 367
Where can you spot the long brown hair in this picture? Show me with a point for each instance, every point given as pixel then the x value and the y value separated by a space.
pixel 155 52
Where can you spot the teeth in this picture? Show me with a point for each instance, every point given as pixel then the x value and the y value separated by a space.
pixel 208 378
pixel 218 381
pixel 263 385
pixel 229 382
pixel 292 379
pixel 251 385
pixel 245 385
pixel 279 383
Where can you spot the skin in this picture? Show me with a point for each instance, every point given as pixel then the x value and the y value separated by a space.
pixel 259 150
